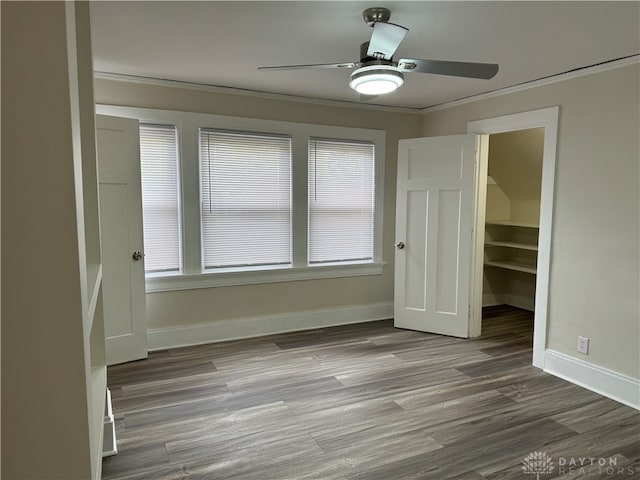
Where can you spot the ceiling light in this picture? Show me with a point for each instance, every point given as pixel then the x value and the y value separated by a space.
pixel 376 79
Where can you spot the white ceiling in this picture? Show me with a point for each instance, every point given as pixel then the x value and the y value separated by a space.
pixel 222 43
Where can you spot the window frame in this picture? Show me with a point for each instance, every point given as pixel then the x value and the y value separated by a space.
pixel 191 274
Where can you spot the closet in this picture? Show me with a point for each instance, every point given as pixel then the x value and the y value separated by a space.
pixel 512 217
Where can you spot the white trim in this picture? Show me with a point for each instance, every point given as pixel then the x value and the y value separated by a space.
pixel 229 122
pixel 234 329
pixel 518 301
pixel 109 444
pixel 617 386
pixel 547 118
pixel 250 93
pixel 95 290
pixel 561 77
pixel 169 283
pixel 480 173
pixel 492 300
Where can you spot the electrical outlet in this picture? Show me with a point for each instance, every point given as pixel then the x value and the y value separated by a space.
pixel 583 345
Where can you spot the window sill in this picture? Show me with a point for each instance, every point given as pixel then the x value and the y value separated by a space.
pixel 176 281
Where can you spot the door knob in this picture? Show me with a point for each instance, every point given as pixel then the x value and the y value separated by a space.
pixel 136 256
pixel 400 245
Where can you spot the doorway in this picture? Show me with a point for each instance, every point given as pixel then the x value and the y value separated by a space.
pixel 519 230
pixel 512 218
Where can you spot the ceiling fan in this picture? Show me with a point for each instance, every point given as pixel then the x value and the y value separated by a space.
pixel 378 73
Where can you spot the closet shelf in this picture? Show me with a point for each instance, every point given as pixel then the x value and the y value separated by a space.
pixel 518 267
pixel 521 246
pixel 510 223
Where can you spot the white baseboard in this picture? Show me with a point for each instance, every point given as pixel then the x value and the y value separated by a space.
pixel 518 301
pixel 234 329
pixel 619 387
pixel 507 299
pixel 489 300
pixel 109 445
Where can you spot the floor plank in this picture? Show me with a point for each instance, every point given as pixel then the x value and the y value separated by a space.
pixel 364 401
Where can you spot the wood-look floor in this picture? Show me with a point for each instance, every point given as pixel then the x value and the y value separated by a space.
pixel 364 402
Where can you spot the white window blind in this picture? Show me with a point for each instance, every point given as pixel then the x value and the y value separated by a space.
pixel 245 199
pixel 341 201
pixel 160 203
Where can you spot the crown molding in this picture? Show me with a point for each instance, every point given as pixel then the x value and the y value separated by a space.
pixel 250 93
pixel 560 77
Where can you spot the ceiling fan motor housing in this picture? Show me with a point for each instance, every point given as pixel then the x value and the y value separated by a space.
pixel 366 59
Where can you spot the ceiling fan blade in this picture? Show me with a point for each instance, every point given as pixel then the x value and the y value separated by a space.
pixel 313 65
pixel 385 39
pixel 444 67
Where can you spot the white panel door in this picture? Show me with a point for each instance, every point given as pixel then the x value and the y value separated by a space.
pixel 434 220
pixel 123 286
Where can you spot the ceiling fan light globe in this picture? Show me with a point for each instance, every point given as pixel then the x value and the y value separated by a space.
pixel 376 81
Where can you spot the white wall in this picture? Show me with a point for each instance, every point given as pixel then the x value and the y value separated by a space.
pixel 595 244
pixel 210 305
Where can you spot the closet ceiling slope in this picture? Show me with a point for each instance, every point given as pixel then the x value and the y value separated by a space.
pixel 515 163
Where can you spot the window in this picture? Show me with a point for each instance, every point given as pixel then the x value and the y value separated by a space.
pixel 256 201
pixel 160 205
pixel 245 186
pixel 341 201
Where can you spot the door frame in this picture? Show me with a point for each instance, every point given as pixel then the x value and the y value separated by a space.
pixel 548 119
